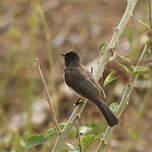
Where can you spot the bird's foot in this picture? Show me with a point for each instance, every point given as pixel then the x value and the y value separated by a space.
pixel 78 102
pixel 59 132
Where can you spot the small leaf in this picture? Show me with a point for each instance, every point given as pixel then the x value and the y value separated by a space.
pixel 141 70
pixel 52 132
pixel 97 128
pixel 72 148
pixel 146 25
pixel 100 47
pixel 87 141
pixel 130 68
pixel 110 78
pixel 84 130
pixel 73 133
pixel 114 107
pixel 127 69
pixel 35 140
pixel 62 125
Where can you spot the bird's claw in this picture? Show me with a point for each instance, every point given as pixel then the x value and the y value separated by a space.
pixel 78 102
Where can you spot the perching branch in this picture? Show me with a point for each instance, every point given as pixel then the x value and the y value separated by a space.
pixel 123 103
pixel 103 60
pixel 79 136
pixel 48 96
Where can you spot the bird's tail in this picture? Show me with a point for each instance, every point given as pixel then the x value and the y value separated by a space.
pixel 111 119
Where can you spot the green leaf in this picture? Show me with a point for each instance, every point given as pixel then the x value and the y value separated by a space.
pixel 52 132
pixel 130 68
pixel 146 25
pixel 127 69
pixel 100 47
pixel 114 107
pixel 110 78
pixel 84 130
pixel 97 128
pixel 35 140
pixel 141 70
pixel 87 141
pixel 62 125
pixel 72 148
pixel 73 133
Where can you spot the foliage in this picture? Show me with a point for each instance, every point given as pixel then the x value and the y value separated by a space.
pixel 23 37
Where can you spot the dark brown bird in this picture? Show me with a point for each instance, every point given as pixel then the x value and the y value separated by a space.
pixel 82 82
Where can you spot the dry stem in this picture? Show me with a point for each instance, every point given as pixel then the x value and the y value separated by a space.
pixel 48 96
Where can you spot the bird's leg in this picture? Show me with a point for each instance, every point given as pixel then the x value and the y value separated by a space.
pixel 78 102
pixel 91 70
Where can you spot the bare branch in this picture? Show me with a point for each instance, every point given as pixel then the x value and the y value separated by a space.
pixel 48 96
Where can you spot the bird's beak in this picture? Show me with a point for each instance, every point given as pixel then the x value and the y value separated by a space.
pixel 62 54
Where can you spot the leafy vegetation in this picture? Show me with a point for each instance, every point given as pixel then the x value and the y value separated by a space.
pixel 38 28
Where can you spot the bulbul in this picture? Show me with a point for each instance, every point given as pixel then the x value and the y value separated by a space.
pixel 83 83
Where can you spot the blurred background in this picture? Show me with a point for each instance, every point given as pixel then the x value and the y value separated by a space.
pixel 44 29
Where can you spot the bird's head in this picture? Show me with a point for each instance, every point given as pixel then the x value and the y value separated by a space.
pixel 71 59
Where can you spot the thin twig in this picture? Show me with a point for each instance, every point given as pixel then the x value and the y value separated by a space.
pixel 98 74
pixel 48 96
pixel 150 12
pixel 123 103
pixel 79 135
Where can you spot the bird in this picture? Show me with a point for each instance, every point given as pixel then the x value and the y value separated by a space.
pixel 82 82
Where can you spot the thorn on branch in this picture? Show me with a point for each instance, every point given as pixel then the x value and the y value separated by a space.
pixel 116 29
pixel 104 141
pixel 113 48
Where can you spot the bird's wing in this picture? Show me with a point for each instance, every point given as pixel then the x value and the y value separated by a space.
pixel 80 82
pixel 97 84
